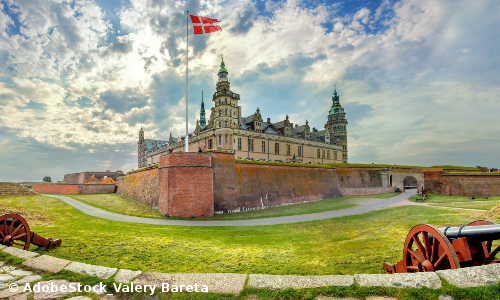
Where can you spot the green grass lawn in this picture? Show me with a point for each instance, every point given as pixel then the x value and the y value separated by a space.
pixel 347 245
pixel 486 205
pixel 126 206
pixel 436 198
pixel 119 204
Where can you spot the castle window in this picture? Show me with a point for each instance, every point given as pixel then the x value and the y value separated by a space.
pixel 219 101
pixel 335 155
pixel 323 153
pixel 225 123
pixel 239 143
pixel 225 140
pixel 210 144
pixel 318 154
pixel 250 145
pixel 327 154
pixel 276 148
pixel 263 146
pixel 300 151
pixel 220 139
pixel 220 124
pixel 220 113
pixel 287 149
pixel 226 112
pixel 225 101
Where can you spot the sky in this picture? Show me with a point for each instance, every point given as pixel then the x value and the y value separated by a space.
pixel 419 79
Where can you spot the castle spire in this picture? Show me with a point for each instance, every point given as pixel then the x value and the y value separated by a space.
pixel 203 121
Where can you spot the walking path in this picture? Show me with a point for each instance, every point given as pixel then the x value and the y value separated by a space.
pixel 358 210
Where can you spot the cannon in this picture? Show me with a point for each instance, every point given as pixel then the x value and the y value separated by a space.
pixel 428 249
pixel 14 230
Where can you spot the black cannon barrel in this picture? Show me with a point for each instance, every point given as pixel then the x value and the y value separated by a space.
pixel 476 233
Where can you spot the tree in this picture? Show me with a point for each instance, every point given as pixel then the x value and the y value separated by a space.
pixel 47 179
pixel 120 171
pixel 108 171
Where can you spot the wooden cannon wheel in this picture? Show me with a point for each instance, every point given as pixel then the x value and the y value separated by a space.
pixel 492 254
pixel 14 230
pixel 420 254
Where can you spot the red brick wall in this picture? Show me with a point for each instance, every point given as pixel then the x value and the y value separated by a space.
pixel 359 177
pixel 367 191
pixel 67 189
pixel 241 185
pixel 74 189
pixel 186 185
pixel 142 186
pixel 464 185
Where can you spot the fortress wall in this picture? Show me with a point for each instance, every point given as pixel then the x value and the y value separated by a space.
pixel 359 177
pixel 65 189
pixel 186 185
pixel 243 185
pixel 142 186
pixel 74 189
pixel 96 188
pixel 367 191
pixel 464 185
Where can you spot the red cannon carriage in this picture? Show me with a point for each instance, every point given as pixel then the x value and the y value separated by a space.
pixel 428 249
pixel 14 230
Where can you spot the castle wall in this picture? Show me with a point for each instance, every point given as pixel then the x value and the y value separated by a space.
pixel 74 189
pixel 367 191
pixel 359 177
pixel 72 178
pixel 186 185
pixel 142 186
pixel 243 186
pixel 463 185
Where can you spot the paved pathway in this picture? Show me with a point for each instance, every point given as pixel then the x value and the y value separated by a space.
pixel 358 210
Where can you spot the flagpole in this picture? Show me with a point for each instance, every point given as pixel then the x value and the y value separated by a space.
pixel 187 59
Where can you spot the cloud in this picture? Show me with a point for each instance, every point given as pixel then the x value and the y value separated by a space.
pixel 245 21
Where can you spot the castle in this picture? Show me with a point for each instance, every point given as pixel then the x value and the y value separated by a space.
pixel 253 138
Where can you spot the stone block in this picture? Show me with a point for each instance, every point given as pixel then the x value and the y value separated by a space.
pixel 47 263
pixel 216 282
pixel 20 273
pixel 400 280
pixel 472 276
pixel 91 270
pixel 79 298
pixel 7 293
pixel 20 297
pixel 7 269
pixel 28 279
pixel 23 254
pixel 52 295
pixel 261 281
pixel 6 277
pixel 126 276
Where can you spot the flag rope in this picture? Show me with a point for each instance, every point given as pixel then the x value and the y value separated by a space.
pixel 187 59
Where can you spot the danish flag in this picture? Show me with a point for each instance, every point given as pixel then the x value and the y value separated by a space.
pixel 204 25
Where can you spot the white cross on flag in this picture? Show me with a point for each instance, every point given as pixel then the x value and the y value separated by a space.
pixel 204 25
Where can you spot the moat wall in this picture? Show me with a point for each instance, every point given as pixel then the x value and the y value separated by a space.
pixel 74 189
pixel 463 184
pixel 141 186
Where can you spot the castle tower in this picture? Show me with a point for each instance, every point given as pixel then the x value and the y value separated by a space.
pixel 141 150
pixel 203 121
pixel 337 125
pixel 226 110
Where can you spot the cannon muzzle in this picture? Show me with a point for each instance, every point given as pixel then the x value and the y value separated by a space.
pixel 473 233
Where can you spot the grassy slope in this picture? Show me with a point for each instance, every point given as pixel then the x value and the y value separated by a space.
pixel 436 198
pixel 119 204
pixel 486 205
pixel 348 245
pixel 123 205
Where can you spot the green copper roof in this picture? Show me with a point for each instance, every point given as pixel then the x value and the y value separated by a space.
pixel 222 68
pixel 336 107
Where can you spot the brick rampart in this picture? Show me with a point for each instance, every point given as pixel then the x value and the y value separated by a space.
pixel 243 185
pixel 74 189
pixel 367 191
pixel 463 185
pixel 186 185
pixel 141 186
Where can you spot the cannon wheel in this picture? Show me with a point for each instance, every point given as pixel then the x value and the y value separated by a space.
pixel 493 253
pixel 423 255
pixel 14 235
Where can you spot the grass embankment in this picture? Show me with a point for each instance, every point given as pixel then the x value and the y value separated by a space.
pixel 347 245
pixel 119 204
pixel 460 201
pixel 126 206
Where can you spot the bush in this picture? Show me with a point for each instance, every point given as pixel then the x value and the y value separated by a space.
pixel 47 179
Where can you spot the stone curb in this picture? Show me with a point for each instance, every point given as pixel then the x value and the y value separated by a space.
pixel 234 283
